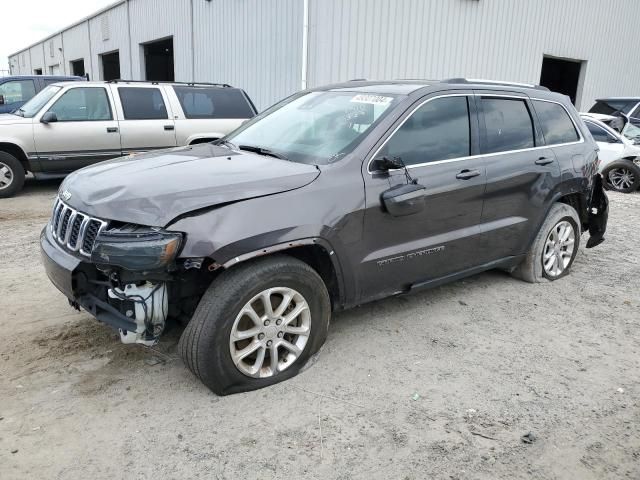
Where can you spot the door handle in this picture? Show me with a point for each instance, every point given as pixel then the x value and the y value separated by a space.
pixel 544 161
pixel 169 127
pixel 112 129
pixel 467 174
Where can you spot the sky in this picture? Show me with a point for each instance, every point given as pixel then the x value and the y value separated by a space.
pixel 27 21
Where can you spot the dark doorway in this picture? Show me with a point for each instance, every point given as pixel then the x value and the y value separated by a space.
pixel 37 71
pixel 562 76
pixel 111 66
pixel 77 68
pixel 158 60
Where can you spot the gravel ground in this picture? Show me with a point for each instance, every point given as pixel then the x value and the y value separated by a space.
pixel 442 384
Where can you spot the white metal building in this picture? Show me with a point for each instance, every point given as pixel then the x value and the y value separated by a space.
pixel 271 48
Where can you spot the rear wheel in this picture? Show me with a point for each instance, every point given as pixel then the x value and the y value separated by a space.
pixel 622 176
pixel 257 325
pixel 554 248
pixel 11 175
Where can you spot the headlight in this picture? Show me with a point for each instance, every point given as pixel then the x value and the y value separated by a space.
pixel 136 250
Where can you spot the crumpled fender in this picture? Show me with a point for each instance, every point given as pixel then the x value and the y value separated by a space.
pixel 598 213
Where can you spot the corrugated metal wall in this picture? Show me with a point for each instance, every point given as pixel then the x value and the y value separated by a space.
pixel 494 39
pixel 157 19
pixel 109 32
pixel 257 44
pixel 253 44
pixel 76 47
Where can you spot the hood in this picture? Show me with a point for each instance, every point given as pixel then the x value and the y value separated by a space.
pixel 154 188
pixel 9 119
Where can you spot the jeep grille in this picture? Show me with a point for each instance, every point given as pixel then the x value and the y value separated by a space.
pixel 74 230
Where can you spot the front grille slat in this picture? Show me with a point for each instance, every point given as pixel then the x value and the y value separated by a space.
pixel 74 230
pixel 90 236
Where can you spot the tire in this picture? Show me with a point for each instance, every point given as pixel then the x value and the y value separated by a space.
pixel 622 176
pixel 533 269
pixel 206 344
pixel 11 175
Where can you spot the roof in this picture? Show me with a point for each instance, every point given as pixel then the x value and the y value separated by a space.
pixel 392 87
pixel 141 83
pixel 28 77
pixel 69 27
pixel 408 86
pixel 624 99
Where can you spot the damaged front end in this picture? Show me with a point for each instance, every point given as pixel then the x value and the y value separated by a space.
pixel 598 213
pixel 125 275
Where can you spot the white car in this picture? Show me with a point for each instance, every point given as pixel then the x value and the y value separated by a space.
pixel 70 125
pixel 619 155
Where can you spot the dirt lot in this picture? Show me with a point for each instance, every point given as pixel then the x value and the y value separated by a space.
pixel 442 384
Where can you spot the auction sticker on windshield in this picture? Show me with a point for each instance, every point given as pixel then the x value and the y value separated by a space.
pixel 372 99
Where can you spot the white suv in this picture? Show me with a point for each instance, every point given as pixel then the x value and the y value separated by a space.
pixel 71 125
pixel 619 156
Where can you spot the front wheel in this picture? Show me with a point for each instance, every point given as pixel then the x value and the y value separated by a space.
pixel 257 325
pixel 622 176
pixel 554 248
pixel 11 175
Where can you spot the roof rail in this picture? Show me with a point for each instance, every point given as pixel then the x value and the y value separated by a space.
pixel 494 82
pixel 158 82
pixel 357 80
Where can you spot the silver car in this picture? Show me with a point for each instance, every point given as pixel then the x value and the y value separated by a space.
pixel 70 125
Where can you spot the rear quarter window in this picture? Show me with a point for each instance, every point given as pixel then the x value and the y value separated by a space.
pixel 213 102
pixel 557 126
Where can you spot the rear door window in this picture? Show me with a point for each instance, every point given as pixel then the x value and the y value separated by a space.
pixel 438 130
pixel 213 102
pixel 508 125
pixel 142 103
pixel 557 126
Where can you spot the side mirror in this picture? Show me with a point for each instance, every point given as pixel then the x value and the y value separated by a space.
pixel 1 99
pixel 384 164
pixel 49 117
pixel 403 200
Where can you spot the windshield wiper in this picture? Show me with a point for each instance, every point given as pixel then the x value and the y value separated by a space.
pixel 262 151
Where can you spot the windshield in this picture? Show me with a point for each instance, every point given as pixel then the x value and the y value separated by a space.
pixel 632 132
pixel 316 128
pixel 34 105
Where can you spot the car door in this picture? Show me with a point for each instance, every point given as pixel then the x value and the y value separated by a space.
pixel 85 130
pixel 611 148
pixel 436 140
pixel 521 172
pixel 146 121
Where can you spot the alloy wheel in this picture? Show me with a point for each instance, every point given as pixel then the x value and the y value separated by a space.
pixel 621 178
pixel 270 332
pixel 6 176
pixel 559 248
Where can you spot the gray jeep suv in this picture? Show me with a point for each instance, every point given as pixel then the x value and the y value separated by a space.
pixel 334 197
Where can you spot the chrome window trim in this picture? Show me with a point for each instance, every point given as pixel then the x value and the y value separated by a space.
pixel 488 93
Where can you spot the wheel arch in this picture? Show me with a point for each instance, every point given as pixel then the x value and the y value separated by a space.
pixel 315 252
pixel 17 152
